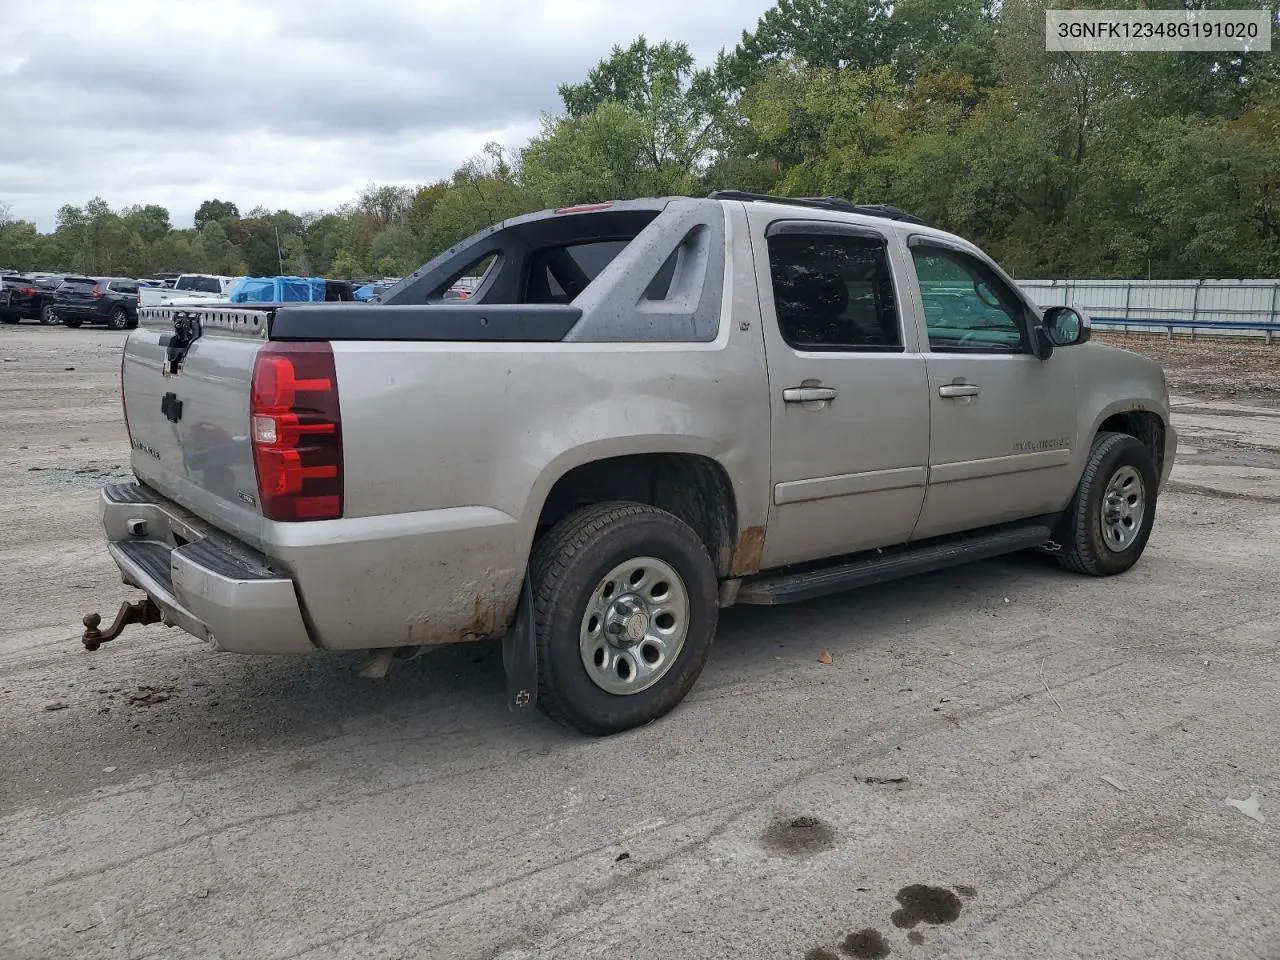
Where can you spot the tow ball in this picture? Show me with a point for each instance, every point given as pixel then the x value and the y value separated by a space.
pixel 144 611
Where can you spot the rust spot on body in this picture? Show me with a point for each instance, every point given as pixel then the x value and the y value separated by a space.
pixel 747 552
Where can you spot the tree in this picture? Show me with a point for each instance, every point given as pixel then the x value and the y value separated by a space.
pixel 19 242
pixel 643 120
pixel 384 205
pixel 150 223
pixel 215 210
pixel 218 253
pixel 817 33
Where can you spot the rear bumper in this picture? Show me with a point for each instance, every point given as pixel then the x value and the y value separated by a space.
pixel 207 583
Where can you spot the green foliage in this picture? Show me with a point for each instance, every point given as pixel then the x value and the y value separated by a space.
pixel 215 210
pixel 1062 165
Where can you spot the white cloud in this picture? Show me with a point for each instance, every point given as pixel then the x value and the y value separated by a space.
pixel 293 103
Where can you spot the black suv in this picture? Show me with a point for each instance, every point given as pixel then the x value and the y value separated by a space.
pixel 112 301
pixel 27 297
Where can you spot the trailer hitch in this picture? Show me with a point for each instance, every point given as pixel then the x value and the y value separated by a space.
pixel 144 611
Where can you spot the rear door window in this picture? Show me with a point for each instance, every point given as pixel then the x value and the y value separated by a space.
pixel 834 292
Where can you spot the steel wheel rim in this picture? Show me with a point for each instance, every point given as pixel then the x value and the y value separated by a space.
pixel 635 625
pixel 1124 506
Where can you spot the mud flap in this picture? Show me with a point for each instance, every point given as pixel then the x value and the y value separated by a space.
pixel 520 654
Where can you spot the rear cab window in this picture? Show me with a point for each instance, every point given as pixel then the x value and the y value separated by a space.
pixel 548 260
pixel 198 284
pixel 559 274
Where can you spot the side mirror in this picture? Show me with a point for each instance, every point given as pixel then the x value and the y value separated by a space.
pixel 1066 326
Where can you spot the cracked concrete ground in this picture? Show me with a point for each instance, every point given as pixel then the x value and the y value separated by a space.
pixel 1002 761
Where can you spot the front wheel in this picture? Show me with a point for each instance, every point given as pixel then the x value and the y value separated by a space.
pixel 1110 517
pixel 47 316
pixel 625 606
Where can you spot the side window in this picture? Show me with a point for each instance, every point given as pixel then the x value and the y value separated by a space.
pixel 966 306
pixel 208 285
pixel 834 292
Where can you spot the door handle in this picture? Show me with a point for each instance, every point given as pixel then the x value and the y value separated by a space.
pixel 959 390
pixel 808 394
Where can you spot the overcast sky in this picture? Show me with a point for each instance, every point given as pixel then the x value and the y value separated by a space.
pixel 293 103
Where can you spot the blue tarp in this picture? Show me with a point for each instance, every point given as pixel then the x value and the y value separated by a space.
pixel 371 290
pixel 278 290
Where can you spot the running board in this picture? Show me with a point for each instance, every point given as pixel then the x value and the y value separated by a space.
pixel 882 566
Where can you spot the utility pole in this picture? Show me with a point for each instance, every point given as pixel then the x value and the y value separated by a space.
pixel 279 252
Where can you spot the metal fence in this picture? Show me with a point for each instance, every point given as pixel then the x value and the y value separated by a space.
pixel 1249 308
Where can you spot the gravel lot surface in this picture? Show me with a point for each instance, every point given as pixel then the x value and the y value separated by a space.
pixel 1002 761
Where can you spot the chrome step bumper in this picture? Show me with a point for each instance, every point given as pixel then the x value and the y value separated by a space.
pixel 204 581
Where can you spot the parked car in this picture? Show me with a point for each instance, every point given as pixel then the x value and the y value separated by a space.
pixel 28 297
pixel 648 411
pixel 189 286
pixel 111 301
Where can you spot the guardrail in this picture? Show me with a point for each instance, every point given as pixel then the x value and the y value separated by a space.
pixel 1248 308
pixel 1213 327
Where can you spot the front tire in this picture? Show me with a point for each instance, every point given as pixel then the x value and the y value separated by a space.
pixel 1109 521
pixel 625 607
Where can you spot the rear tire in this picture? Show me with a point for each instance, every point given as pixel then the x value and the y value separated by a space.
pixel 47 316
pixel 118 319
pixel 625 607
pixel 1108 523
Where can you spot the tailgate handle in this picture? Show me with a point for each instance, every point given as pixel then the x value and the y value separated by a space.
pixel 186 331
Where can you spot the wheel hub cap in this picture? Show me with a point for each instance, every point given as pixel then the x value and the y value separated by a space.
pixel 635 625
pixel 1123 509
pixel 627 622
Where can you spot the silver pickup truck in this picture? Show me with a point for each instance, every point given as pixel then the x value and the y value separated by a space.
pixel 648 410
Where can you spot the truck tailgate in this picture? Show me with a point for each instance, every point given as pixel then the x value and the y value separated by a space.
pixel 189 422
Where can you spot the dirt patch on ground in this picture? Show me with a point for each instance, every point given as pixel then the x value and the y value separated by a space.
pixel 1212 369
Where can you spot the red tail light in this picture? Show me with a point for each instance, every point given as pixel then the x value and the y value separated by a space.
pixel 26 291
pixel 296 427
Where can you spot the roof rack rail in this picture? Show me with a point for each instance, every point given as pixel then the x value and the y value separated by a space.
pixel 823 203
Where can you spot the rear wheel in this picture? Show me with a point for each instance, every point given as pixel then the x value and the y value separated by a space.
pixel 625 604
pixel 118 319
pixel 47 316
pixel 1109 521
